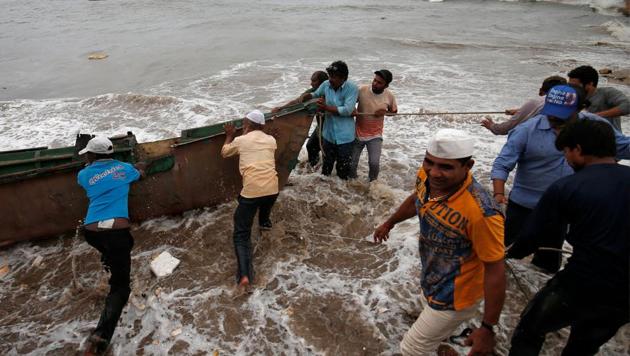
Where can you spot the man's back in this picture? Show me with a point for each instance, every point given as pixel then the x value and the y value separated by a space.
pixel 106 183
pixel 257 165
pixel 596 203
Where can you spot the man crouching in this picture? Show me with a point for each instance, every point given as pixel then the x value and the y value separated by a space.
pixel 257 165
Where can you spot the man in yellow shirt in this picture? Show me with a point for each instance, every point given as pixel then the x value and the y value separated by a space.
pixel 257 165
pixel 461 247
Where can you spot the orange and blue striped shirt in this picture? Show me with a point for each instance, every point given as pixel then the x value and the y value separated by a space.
pixel 458 233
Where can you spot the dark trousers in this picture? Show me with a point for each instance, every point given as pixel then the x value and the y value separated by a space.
pixel 115 248
pixel 312 147
pixel 516 218
pixel 374 157
pixel 566 301
pixel 243 219
pixel 340 154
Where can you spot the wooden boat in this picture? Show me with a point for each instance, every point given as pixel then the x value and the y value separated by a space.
pixel 41 198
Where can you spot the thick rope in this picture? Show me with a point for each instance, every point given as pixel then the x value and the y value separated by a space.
pixel 433 113
pixel 566 252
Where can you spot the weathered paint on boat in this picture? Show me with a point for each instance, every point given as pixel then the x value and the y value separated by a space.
pixel 41 198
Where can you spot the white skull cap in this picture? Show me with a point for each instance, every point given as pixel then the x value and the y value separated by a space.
pixel 256 116
pixel 451 144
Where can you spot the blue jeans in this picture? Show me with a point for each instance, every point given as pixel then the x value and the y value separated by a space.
pixel 374 157
pixel 243 219
pixel 340 154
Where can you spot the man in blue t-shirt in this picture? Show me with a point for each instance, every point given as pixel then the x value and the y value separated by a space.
pixel 106 182
pixel 591 293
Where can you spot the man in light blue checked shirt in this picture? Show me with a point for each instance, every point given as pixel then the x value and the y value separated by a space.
pixel 337 98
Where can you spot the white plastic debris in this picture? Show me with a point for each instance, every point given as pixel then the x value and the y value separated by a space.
pixel 37 261
pixel 137 303
pixel 164 264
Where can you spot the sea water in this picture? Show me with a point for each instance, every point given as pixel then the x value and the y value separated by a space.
pixel 322 286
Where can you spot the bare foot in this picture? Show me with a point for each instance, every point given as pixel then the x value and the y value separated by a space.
pixel 242 288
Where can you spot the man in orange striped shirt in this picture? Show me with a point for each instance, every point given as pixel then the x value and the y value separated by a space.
pixel 461 247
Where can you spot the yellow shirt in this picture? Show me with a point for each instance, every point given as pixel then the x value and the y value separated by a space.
pixel 457 234
pixel 256 163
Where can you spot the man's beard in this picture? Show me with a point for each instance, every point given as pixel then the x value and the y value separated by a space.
pixel 377 91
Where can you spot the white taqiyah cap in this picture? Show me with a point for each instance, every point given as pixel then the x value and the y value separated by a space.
pixel 100 145
pixel 451 144
pixel 256 116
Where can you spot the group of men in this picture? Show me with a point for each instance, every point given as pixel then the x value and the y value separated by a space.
pixel 353 120
pixel 568 186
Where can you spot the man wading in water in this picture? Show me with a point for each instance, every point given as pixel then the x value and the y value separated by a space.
pixel 257 165
pixel 337 98
pixel 461 247
pixel 106 182
pixel 312 145
pixel 376 100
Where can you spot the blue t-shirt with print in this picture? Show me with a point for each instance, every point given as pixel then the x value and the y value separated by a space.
pixel 106 183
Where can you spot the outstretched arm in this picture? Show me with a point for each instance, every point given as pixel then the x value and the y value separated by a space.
pixel 405 211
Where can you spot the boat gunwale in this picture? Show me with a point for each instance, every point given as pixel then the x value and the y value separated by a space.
pixel 186 137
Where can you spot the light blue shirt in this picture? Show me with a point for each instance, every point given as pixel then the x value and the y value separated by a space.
pixel 531 145
pixel 339 129
pixel 106 183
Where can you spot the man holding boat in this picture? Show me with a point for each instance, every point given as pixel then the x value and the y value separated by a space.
pixel 461 247
pixel 106 182
pixel 337 98
pixel 312 145
pixel 257 164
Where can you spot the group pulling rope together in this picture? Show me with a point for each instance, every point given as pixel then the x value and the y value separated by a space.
pixel 568 186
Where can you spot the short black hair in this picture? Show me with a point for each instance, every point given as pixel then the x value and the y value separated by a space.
pixel 551 82
pixel 102 155
pixel 581 96
pixel 464 160
pixel 585 74
pixel 321 76
pixel 339 68
pixel 596 138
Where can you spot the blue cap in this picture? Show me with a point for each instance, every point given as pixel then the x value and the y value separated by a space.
pixel 561 102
